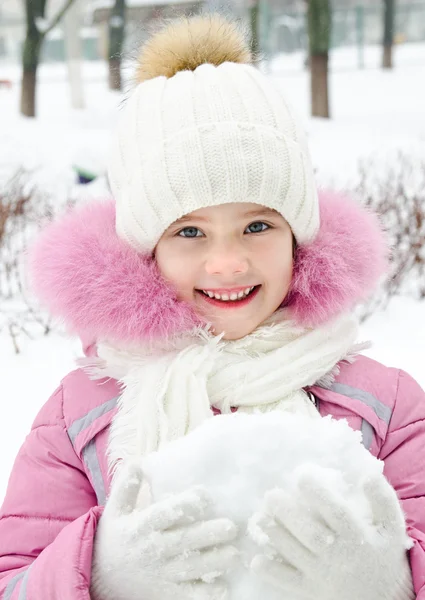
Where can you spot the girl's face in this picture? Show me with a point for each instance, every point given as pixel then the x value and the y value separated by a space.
pixel 232 262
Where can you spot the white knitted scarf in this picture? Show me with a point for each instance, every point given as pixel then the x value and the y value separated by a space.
pixel 170 390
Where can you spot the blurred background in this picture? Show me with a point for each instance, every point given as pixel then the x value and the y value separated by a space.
pixel 354 70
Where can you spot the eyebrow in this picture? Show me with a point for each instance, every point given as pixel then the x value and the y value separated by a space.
pixel 250 213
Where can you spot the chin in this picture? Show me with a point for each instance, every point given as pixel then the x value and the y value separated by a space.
pixel 233 334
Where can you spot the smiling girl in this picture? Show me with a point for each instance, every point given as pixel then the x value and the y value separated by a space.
pixel 232 262
pixel 217 280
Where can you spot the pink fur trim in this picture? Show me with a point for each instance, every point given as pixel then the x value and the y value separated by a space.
pixel 103 289
pixel 98 285
pixel 342 266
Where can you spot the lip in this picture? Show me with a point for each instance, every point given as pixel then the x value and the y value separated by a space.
pixel 230 304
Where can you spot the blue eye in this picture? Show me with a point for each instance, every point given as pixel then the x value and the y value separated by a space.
pixel 257 227
pixel 190 232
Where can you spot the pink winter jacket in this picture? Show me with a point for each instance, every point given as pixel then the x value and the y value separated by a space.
pixel 59 482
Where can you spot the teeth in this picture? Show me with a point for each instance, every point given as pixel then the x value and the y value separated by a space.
pixel 232 297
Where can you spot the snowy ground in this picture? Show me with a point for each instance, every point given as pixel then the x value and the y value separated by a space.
pixel 373 114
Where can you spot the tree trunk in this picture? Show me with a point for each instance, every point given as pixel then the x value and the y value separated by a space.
pixel 115 79
pixel 319 86
pixel 35 9
pixel 116 43
pixel 31 57
pixel 319 30
pixel 387 57
pixel 71 29
pixel 255 29
pixel 389 25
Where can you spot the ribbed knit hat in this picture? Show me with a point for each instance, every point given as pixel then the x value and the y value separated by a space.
pixel 203 128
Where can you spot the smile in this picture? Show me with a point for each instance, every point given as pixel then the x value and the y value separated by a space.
pixel 230 300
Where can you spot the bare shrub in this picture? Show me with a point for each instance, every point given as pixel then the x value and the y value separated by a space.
pixel 396 191
pixel 23 209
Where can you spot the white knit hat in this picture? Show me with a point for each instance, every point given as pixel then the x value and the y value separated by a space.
pixel 215 134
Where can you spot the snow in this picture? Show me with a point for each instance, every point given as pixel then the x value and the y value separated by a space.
pixel 42 24
pixel 374 113
pixel 60 138
pixel 220 456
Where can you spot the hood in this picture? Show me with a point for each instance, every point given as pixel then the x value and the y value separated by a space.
pixel 104 290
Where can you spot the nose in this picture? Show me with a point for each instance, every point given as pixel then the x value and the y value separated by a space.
pixel 227 259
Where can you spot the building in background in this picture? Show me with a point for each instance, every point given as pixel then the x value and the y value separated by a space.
pixel 354 23
pixel 283 26
pixel 12 32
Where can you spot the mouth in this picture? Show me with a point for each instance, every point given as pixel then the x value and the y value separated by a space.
pixel 230 300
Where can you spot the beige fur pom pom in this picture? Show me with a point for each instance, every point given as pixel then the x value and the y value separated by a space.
pixel 187 43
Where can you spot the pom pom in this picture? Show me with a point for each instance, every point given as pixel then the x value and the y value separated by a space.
pixel 187 43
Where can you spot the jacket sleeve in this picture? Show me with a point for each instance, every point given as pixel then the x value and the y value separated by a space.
pixel 49 516
pixel 403 454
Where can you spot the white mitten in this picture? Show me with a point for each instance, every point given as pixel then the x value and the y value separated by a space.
pixel 171 550
pixel 314 546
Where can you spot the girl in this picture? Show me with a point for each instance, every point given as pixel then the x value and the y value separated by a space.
pixel 218 280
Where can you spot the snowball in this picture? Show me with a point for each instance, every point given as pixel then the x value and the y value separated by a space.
pixel 239 457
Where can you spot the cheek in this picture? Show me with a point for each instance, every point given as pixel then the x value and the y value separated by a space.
pixel 281 283
pixel 177 270
pixel 278 265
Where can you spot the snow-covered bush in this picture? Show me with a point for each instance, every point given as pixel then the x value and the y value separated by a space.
pixel 396 191
pixel 23 208
pixel 28 199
